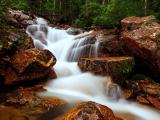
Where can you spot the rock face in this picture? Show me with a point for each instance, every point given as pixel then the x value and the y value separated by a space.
pixel 28 65
pixel 145 91
pixel 89 111
pixel 117 67
pixel 141 38
pixel 20 61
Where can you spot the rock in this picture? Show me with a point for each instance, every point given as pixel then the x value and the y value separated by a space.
pixel 142 100
pixel 27 65
pixel 89 111
pixel 27 96
pixel 154 101
pixel 146 86
pixel 23 103
pixel 19 60
pixel 19 18
pixel 141 39
pixel 117 67
pixel 13 40
pixel 109 45
pixel 143 91
pixel 22 60
pixel 74 31
pixel 97 44
pixel 132 23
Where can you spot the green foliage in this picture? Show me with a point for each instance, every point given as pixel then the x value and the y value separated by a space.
pixel 110 14
pixel 1 45
pixel 88 13
pixel 105 13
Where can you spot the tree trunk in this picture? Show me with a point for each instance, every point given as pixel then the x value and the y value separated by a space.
pixel 145 7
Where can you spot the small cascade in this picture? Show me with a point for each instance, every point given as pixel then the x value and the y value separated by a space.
pixel 72 85
pixel 84 47
pixel 112 90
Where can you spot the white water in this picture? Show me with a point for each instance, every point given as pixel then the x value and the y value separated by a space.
pixel 72 85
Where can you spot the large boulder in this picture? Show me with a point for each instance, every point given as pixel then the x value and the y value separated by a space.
pixel 117 67
pixel 89 111
pixel 20 61
pixel 141 37
pixel 27 65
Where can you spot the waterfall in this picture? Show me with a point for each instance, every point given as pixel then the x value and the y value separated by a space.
pixel 71 84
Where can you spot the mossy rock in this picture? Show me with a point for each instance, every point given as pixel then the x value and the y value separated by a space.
pixel 118 67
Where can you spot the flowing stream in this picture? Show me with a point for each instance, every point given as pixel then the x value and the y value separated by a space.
pixel 72 85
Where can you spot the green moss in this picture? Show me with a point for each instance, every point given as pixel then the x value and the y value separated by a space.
pixel 10 43
pixel 126 68
pixel 20 43
pixel 1 46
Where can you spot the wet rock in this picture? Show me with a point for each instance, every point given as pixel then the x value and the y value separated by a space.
pixel 143 91
pixel 13 40
pixel 19 18
pixel 141 39
pixel 98 43
pixel 74 31
pixel 24 103
pixel 27 65
pixel 28 97
pixel 146 86
pixel 22 60
pixel 154 101
pixel 109 45
pixel 10 113
pixel 142 100
pixel 89 111
pixel 117 67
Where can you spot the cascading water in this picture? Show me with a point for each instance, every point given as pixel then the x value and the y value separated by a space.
pixel 72 85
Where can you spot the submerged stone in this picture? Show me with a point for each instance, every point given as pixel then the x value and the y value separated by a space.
pixel 24 104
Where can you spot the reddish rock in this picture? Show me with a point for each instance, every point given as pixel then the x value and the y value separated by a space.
pixel 89 111
pixel 24 103
pixel 117 67
pixel 133 22
pixel 143 91
pixel 146 86
pixel 27 97
pixel 142 100
pixel 13 40
pixel 22 60
pixel 27 65
pixel 141 39
pixel 154 101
